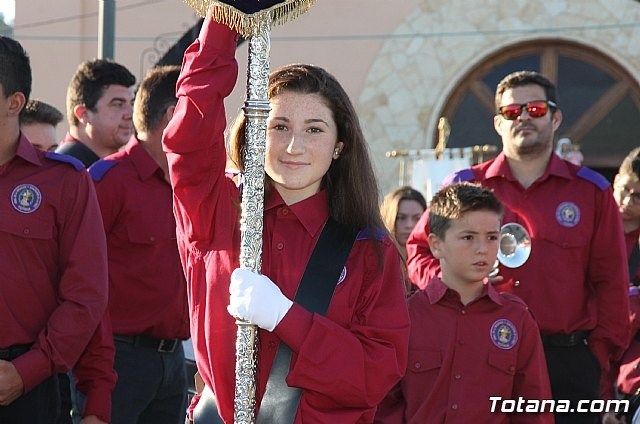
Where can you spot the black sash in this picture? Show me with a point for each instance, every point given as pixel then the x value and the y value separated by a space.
pixel 78 151
pixel 280 402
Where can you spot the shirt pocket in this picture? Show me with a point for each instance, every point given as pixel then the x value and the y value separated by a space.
pixel 423 360
pixel 25 226
pixel 146 234
pixel 567 245
pixel 503 361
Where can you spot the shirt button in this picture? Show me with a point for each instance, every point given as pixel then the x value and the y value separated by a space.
pixel 285 211
pixel 26 231
pixel 454 406
pixel 463 312
pixel 272 345
pixel 517 283
pixel 512 368
pixel 457 376
pixel 280 246
pixel 152 239
pixel 417 365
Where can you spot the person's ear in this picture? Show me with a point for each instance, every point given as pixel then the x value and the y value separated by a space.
pixel 497 124
pixel 168 114
pixel 556 119
pixel 337 149
pixel 81 112
pixel 435 244
pixel 17 102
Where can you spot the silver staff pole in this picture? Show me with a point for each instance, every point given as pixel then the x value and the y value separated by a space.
pixel 256 109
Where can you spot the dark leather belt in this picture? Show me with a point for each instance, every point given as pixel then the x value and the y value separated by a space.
pixel 565 340
pixel 160 345
pixel 12 352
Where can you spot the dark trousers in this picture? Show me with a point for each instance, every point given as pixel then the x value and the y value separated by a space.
pixel 71 400
pixel 39 406
pixel 575 375
pixel 151 387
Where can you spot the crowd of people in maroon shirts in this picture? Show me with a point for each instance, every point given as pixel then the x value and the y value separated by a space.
pixel 105 273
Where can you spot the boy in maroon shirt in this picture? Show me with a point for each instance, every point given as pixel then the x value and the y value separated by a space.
pixel 473 353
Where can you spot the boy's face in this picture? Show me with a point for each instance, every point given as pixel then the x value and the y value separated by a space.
pixel 469 249
pixel 626 191
pixel 41 135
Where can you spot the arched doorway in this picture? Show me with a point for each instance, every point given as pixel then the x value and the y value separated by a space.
pixel 600 101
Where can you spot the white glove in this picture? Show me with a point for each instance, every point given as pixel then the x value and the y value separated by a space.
pixel 255 298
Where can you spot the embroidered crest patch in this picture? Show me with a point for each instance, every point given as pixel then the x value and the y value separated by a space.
pixel 343 275
pixel 568 214
pixel 26 198
pixel 504 334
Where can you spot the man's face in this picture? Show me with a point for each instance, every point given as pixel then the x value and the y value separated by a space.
pixel 526 135
pixel 110 124
pixel 41 135
pixel 626 191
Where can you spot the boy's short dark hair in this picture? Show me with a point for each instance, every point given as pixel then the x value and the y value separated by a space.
pixel 630 166
pixel 15 68
pixel 156 93
pixel 453 201
pixel 39 112
pixel 89 82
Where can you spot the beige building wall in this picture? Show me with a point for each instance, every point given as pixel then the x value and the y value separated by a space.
pixel 61 34
pixel 398 60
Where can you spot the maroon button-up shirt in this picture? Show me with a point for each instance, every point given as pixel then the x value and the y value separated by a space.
pixel 52 261
pixel 461 355
pixel 147 288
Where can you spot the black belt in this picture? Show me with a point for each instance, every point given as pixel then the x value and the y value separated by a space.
pixel 565 340
pixel 160 345
pixel 12 352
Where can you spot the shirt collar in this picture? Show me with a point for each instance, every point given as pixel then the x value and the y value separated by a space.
pixel 145 165
pixel 312 212
pixel 26 151
pixel 436 291
pixel 68 137
pixel 500 168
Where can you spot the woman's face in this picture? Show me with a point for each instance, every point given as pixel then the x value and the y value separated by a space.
pixel 409 212
pixel 302 139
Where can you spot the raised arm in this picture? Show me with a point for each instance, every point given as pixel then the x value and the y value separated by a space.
pixel 194 139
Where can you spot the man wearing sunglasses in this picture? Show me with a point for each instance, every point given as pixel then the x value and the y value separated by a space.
pixel 575 280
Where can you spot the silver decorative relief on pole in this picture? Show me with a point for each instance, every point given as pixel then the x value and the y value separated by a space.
pixel 256 110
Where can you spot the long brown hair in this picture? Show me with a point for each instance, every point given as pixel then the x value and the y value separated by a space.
pixel 350 182
pixel 391 203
